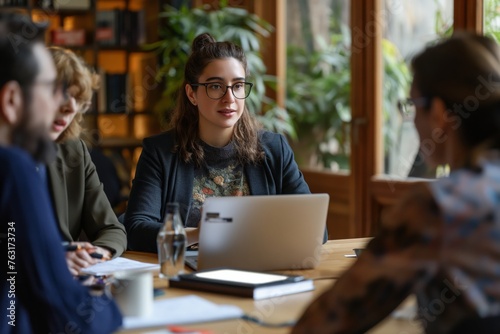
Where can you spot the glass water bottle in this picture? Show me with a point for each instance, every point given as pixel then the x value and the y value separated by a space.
pixel 171 243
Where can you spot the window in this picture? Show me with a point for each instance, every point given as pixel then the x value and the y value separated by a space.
pixel 318 81
pixel 409 26
pixel 491 19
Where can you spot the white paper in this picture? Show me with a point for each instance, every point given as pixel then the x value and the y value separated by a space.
pixel 405 312
pixel 183 310
pixel 119 264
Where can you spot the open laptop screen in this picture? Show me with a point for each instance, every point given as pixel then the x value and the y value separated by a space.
pixel 262 232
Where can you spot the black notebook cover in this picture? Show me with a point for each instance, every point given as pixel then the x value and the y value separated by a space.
pixel 242 283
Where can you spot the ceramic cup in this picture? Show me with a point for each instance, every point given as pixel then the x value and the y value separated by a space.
pixel 133 293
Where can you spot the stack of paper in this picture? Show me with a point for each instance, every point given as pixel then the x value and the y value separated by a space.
pixel 119 264
pixel 183 310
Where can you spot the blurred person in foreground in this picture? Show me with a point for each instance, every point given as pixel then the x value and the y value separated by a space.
pixel 38 293
pixel 441 242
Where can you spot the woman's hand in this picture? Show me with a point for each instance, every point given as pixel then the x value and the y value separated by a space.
pixel 85 255
pixel 193 235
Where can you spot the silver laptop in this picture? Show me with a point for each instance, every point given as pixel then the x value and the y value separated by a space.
pixel 262 232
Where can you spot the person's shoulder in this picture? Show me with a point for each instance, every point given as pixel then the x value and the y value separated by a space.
pixel 416 204
pixel 270 138
pixel 73 148
pixel 269 135
pixel 76 143
pixel 164 138
pixel 12 158
pixel 16 166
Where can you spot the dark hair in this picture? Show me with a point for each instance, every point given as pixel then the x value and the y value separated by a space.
pixel 185 117
pixel 464 71
pixel 18 34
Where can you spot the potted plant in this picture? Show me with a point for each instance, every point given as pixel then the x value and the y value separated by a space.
pixel 318 100
pixel 179 27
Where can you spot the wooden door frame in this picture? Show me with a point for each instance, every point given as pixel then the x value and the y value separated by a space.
pixel 468 15
pixel 366 110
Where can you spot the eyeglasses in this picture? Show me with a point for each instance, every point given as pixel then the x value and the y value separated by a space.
pixel 54 85
pixel 80 106
pixel 83 105
pixel 70 96
pixel 216 90
pixel 408 106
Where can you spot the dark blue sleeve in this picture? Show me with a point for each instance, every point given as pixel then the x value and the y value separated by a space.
pixel 47 297
pixel 283 175
pixel 293 180
pixel 143 215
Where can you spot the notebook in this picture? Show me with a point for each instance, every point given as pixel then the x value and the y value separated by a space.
pixel 275 232
pixel 243 283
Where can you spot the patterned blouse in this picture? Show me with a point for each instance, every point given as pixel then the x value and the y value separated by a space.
pixel 221 175
pixel 441 243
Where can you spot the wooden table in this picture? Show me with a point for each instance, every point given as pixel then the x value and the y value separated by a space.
pixel 285 308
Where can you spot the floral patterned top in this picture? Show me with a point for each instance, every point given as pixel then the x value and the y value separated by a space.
pixel 221 175
pixel 441 243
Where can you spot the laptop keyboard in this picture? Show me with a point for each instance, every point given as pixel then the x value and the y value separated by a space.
pixel 191 262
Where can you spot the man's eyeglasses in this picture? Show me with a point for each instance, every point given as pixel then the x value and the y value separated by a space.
pixel 54 85
pixel 216 90
pixel 408 106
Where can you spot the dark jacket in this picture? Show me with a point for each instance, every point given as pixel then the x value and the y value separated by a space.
pixel 162 177
pixel 36 284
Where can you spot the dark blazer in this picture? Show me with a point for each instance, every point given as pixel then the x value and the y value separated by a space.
pixel 80 203
pixel 162 177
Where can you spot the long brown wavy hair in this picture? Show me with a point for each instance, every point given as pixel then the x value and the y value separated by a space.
pixel 185 117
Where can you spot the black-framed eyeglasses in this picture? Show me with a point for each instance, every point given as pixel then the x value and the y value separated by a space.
pixel 216 90
pixel 408 106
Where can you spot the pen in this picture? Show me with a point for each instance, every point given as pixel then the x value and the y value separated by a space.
pixel 76 247
pixel 177 329
pixel 96 255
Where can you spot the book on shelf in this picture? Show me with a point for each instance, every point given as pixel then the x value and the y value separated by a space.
pixel 63 37
pixel 114 94
pixel 71 4
pixel 118 28
pixel 106 31
pixel 13 2
pixel 256 285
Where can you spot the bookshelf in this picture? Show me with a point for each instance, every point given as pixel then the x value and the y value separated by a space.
pixel 109 35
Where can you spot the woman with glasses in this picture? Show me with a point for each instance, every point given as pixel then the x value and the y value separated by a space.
pixel 80 204
pixel 442 241
pixel 214 148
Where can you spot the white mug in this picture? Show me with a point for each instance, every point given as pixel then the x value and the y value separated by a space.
pixel 133 293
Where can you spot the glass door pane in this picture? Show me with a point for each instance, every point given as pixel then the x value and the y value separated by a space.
pixel 491 19
pixel 319 81
pixel 408 27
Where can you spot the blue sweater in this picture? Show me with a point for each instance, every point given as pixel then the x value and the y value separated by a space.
pixel 163 177
pixel 38 294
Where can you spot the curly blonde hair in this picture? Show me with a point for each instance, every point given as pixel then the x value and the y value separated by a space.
pixel 73 71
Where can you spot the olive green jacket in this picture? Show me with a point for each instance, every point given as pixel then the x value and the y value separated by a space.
pixel 79 201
